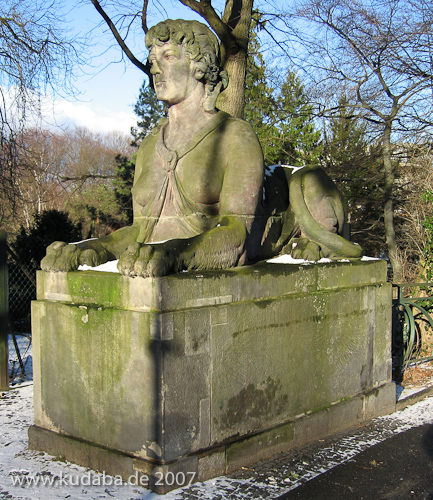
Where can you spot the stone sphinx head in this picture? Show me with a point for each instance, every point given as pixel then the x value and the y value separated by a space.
pixel 193 41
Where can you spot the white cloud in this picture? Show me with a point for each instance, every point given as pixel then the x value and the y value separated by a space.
pixel 67 114
pixel 97 119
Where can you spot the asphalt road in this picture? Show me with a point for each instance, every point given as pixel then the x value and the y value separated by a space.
pixel 399 468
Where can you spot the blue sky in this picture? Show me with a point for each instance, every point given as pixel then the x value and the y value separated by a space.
pixel 108 90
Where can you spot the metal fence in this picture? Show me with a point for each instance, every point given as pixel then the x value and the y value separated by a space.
pixel 412 325
pixel 22 290
pixel 4 347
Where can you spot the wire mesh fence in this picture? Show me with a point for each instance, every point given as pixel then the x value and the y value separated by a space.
pixel 22 290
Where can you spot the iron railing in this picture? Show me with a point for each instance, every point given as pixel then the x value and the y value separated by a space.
pixel 411 324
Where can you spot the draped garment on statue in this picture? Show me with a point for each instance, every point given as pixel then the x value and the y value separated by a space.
pixel 177 192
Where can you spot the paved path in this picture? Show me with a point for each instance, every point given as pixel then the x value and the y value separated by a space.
pixel 399 468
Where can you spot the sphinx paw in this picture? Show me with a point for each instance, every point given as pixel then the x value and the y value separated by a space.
pixel 160 264
pixel 92 257
pixel 306 249
pixel 61 256
pixel 128 258
pixel 142 261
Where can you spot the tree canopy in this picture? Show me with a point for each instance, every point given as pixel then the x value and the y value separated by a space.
pixel 38 56
pixel 379 52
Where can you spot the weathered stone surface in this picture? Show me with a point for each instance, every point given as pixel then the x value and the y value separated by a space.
pixel 210 364
pixel 265 444
pixel 201 196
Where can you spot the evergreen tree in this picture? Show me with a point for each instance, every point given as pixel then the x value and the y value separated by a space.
pixel 282 119
pixel 296 140
pixel 104 206
pixel 50 225
pixel 149 111
pixel 123 184
pixel 355 165
pixel 260 102
pixel 346 142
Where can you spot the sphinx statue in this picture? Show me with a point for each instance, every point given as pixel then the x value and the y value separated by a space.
pixel 202 196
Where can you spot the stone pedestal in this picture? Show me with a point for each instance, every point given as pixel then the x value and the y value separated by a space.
pixel 197 374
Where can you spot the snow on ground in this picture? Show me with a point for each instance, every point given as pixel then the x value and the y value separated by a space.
pixel 31 475
pixel 24 344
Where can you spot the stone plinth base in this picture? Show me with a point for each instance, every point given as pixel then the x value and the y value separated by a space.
pixel 194 375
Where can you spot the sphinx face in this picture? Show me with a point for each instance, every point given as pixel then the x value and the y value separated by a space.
pixel 172 72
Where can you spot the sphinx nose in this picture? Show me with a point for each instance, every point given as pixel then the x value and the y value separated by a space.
pixel 155 69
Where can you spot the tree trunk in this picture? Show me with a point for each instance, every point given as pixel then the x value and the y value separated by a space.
pixel 232 100
pixel 237 17
pixel 388 205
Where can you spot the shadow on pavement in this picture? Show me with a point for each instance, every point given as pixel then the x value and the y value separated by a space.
pixel 399 468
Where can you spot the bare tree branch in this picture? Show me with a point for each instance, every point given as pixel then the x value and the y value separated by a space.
pixel 206 11
pixel 119 39
pixel 144 16
pixel 85 177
